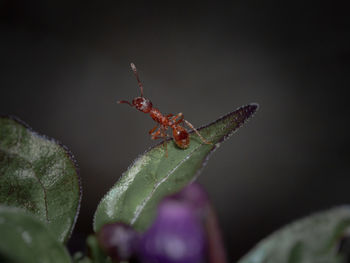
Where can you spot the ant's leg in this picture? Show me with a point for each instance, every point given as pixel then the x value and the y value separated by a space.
pixel 153 129
pixel 179 120
pixel 164 135
pixel 156 135
pixel 169 116
pixel 193 128
pixel 176 116
pixel 161 134
pixel 179 115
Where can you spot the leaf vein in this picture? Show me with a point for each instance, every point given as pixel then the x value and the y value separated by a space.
pixel 156 186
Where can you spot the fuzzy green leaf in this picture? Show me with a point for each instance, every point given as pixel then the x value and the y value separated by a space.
pixel 314 239
pixel 23 238
pixel 133 199
pixel 39 175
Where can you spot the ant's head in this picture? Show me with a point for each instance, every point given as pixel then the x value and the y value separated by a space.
pixel 140 103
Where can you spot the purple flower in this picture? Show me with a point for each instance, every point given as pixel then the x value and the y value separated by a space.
pixel 184 231
pixel 195 196
pixel 176 236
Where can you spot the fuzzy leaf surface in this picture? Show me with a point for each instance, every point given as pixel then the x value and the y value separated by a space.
pixel 39 175
pixel 152 176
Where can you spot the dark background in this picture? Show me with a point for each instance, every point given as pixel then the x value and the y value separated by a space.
pixel 64 64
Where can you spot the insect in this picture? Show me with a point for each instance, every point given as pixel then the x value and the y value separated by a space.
pixel 175 122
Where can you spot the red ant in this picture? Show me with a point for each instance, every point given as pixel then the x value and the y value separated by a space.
pixel 180 134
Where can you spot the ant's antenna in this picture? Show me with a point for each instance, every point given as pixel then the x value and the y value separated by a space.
pixel 124 101
pixel 133 67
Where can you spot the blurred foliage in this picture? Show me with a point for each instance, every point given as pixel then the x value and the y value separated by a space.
pixel 24 238
pixel 314 239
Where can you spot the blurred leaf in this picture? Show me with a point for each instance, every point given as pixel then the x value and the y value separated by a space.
pixel 39 175
pixel 96 253
pixel 133 199
pixel 23 238
pixel 314 239
pixel 79 257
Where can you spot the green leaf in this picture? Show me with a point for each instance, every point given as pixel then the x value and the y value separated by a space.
pixel 23 238
pixel 133 199
pixel 96 253
pixel 39 175
pixel 79 257
pixel 314 239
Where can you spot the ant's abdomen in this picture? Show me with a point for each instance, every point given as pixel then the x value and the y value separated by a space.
pixel 181 137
